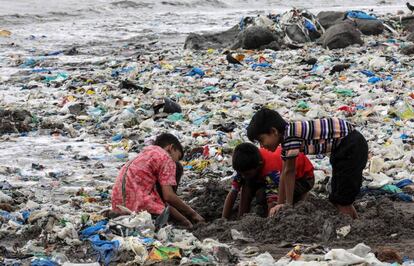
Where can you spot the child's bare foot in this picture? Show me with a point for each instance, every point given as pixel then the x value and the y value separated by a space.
pixel 348 210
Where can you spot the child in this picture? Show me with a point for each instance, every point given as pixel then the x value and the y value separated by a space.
pixel 348 148
pixel 136 185
pixel 258 172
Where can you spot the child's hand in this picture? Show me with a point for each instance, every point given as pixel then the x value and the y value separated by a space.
pixel 275 209
pixel 197 218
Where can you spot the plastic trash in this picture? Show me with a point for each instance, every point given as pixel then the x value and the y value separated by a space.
pixel 391 189
pixel 89 231
pixel 345 92
pixel 80 264
pixel 359 15
pixel 261 65
pixel 196 72
pixel 264 259
pixel 405 197
pixel 175 117
pixel 5 198
pixel 164 253
pixel 367 73
pixel 105 248
pixel 43 262
pixel 135 245
pixel 5 33
pixel 403 183
pixel 358 255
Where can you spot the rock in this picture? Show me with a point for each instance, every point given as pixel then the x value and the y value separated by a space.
pixel 296 34
pixel 171 107
pixel 341 35
pixel 51 123
pixel 36 215
pixel 6 207
pixel 370 27
pixel 408 23
pixel 77 108
pixel 15 121
pixel 410 37
pixel 5 198
pixel 330 18
pixel 257 37
pixel 390 255
pixel 212 40
pixel 275 45
pixel 407 50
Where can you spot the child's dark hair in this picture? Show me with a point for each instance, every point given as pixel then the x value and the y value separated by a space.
pixel 179 171
pixel 262 123
pixel 166 139
pixel 246 156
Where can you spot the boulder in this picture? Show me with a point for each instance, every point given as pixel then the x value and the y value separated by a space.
pixel 218 40
pixel 257 37
pixel 370 27
pixel 330 18
pixel 410 37
pixel 341 35
pixel 15 121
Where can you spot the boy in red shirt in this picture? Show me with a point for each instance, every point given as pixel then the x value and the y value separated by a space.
pixel 258 174
pixel 136 185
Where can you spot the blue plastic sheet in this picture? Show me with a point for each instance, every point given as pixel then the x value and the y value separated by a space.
pixel 254 66
pixel 91 230
pixel 404 183
pixel 404 197
pixel 43 262
pixel 105 248
pixel 241 23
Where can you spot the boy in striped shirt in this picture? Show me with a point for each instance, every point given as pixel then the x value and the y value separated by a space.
pixel 348 148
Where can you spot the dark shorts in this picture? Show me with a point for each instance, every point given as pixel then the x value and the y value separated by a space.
pixel 348 161
pixel 302 186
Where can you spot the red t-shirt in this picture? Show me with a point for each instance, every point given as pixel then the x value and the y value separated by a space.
pixel 272 168
pixel 273 161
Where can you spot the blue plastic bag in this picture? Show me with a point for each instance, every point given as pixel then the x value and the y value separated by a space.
pixel 374 80
pixel 196 71
pixel 359 14
pixel 367 73
pixel 91 230
pixel 105 248
pixel 254 66
pixel 309 25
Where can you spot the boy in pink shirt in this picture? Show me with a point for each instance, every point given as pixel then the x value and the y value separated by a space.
pixel 136 185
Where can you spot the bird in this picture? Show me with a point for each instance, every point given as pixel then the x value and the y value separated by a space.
pixel 309 61
pixel 410 7
pixel 339 68
pixel 231 59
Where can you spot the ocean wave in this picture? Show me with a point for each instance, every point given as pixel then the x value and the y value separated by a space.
pixel 131 4
pixel 197 3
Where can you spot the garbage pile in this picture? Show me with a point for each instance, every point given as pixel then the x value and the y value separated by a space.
pixel 296 27
pixel 71 117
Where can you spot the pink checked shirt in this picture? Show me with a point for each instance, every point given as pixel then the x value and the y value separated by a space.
pixel 138 178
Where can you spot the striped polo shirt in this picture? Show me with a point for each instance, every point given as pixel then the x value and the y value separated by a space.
pixel 318 136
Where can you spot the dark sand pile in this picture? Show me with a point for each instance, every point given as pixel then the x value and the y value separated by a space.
pixel 209 201
pixel 316 221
